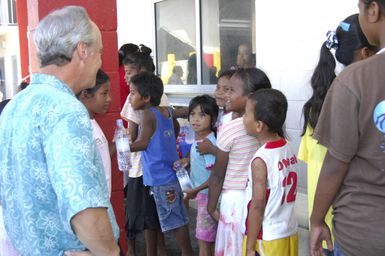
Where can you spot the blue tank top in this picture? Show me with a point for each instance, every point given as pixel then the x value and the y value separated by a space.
pixel 160 154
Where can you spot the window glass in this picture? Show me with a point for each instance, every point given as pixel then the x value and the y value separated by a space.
pixel 2 78
pixel 176 41
pixel 227 36
pixel 226 29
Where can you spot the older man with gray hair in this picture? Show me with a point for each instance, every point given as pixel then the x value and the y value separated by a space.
pixel 52 187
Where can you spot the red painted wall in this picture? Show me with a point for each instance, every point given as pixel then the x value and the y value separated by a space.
pixel 103 13
pixel 22 20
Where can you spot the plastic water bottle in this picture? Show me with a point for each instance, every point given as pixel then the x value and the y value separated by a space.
pixel 183 177
pixel 190 134
pixel 122 147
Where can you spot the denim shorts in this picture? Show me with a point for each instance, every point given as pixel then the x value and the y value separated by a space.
pixel 169 204
pixel 337 250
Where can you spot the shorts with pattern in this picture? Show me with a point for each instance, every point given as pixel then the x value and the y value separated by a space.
pixel 169 204
pixel 206 227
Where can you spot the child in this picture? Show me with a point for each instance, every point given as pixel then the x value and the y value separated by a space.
pixel 203 112
pixel 138 218
pixel 350 45
pixel 97 101
pixel 220 97
pixel 205 146
pixel 124 87
pixel 157 141
pixel 271 190
pixel 229 175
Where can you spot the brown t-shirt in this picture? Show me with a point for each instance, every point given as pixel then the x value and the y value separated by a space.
pixel 352 127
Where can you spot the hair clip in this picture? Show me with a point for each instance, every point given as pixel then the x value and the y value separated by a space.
pixel 331 40
pixel 345 26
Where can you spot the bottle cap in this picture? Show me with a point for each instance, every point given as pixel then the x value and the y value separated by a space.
pixel 119 122
pixel 177 165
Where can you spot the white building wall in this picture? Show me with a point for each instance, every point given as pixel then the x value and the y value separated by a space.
pixel 288 39
pixel 9 48
pixel 289 35
pixel 135 22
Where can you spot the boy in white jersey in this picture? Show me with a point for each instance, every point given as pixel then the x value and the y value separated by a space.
pixel 270 224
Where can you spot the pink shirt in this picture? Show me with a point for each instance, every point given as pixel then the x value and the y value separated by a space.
pixel 232 138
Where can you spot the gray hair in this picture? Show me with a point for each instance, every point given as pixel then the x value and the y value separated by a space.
pixel 59 33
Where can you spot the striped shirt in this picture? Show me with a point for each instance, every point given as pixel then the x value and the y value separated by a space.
pixel 232 138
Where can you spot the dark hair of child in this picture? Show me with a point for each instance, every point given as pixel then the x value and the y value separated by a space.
pixel 208 106
pixel 126 49
pixel 350 39
pixel 270 107
pixel 253 79
pixel 140 59
pixel 228 73
pixel 148 85
pixel 101 78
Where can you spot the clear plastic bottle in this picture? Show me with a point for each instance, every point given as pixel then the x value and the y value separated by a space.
pixel 122 147
pixel 183 177
pixel 190 134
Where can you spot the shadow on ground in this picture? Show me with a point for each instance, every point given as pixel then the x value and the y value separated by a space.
pixel 171 245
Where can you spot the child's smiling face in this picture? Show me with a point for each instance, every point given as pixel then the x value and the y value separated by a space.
pixel 236 100
pixel 221 91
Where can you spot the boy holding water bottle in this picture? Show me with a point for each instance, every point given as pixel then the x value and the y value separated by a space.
pixel 157 141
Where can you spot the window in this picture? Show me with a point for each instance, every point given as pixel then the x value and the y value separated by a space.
pixel 8 12
pixel 15 73
pixel 196 39
pixel 176 41
pixel 2 78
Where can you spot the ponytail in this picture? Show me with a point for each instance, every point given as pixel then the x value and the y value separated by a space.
pixel 321 80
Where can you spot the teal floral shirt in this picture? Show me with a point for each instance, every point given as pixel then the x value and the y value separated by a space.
pixel 50 168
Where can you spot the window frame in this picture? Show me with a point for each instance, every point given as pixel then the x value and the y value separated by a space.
pixel 180 95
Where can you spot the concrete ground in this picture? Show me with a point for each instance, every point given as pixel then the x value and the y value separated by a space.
pixel 303 231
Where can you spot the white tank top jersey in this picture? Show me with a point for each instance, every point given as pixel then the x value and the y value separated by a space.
pixel 279 220
pixel 102 145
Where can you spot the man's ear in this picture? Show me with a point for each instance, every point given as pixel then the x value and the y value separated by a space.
pixel 82 50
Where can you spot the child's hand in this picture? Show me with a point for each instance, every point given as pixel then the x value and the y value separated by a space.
pixel 205 147
pixel 190 193
pixel 183 161
pixel 216 215
pixel 126 131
